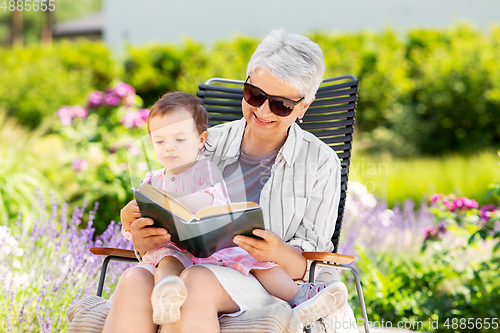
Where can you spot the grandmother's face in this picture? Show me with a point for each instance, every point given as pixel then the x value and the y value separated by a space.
pixel 260 120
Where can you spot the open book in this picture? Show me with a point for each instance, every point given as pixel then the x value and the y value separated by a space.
pixel 209 230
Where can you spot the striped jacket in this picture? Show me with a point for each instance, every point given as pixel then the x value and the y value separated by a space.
pixel 301 197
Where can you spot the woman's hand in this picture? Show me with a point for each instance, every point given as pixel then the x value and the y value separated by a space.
pixel 146 239
pixel 273 248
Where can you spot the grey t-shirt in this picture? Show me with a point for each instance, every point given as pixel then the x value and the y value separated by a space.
pixel 246 177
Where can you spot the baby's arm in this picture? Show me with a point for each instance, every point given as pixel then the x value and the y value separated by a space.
pixel 129 214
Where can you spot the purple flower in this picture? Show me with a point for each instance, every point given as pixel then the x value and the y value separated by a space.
pixel 486 211
pixel 79 164
pixel 95 99
pixel 122 89
pixel 111 99
pixel 65 114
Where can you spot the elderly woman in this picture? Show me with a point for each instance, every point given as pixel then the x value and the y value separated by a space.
pixel 293 175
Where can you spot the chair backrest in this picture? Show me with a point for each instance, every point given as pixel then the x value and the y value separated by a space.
pixel 330 117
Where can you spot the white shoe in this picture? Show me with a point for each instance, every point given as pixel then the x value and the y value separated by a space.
pixel 324 302
pixel 167 298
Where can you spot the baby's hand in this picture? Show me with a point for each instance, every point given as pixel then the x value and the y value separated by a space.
pixel 129 214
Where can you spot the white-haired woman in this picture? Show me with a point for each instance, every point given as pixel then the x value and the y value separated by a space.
pixel 293 175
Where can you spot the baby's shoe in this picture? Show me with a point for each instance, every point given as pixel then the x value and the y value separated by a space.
pixel 167 298
pixel 314 301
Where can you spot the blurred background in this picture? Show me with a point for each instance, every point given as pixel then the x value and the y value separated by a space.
pixel 76 83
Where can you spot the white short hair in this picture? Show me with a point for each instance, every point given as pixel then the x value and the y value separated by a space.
pixel 293 59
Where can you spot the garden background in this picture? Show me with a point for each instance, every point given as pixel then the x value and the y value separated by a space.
pixel 421 218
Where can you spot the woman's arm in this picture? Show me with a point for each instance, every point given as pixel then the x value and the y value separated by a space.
pixel 315 231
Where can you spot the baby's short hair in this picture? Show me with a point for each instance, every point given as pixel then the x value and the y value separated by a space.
pixel 173 101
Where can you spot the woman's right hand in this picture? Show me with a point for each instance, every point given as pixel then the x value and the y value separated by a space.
pixel 146 239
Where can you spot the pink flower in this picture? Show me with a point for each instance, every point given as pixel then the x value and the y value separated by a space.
pixel 471 203
pixel 129 120
pixel 459 203
pixel 79 112
pixel 428 232
pixel 450 205
pixel 135 119
pixel 113 148
pixel 95 99
pixel 65 114
pixel 111 99
pixel 122 89
pixel 465 203
pixel 129 100
pixel 435 197
pixel 79 164
pixel 144 114
pixel 433 232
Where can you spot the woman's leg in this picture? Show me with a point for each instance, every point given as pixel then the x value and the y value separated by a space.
pixel 276 282
pixel 206 299
pixel 131 309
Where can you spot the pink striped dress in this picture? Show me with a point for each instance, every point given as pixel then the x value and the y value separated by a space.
pixel 203 176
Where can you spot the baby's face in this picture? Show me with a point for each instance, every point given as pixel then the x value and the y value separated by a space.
pixel 176 140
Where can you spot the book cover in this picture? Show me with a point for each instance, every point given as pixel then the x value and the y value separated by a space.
pixel 203 236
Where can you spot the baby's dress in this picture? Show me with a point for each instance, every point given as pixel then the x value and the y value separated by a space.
pixel 203 176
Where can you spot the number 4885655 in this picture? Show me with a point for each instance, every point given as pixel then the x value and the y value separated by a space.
pixel 28 5
pixel 471 323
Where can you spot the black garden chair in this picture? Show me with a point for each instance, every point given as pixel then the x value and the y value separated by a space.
pixel 330 117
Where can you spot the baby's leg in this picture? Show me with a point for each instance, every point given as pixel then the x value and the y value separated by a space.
pixel 169 265
pixel 169 292
pixel 276 282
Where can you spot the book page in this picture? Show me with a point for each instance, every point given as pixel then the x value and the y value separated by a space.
pixel 178 209
pixel 166 201
pixel 225 209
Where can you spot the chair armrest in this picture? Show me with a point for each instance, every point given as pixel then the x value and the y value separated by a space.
pixel 110 251
pixel 328 256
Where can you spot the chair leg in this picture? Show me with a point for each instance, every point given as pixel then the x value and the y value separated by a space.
pixel 358 287
pixel 104 268
pixel 360 295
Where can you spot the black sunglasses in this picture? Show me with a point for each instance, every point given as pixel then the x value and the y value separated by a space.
pixel 280 106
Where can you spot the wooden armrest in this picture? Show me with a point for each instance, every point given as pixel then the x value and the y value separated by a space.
pixel 328 256
pixel 110 251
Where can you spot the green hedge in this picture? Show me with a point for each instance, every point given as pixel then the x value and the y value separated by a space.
pixel 37 80
pixel 428 92
pixel 431 92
